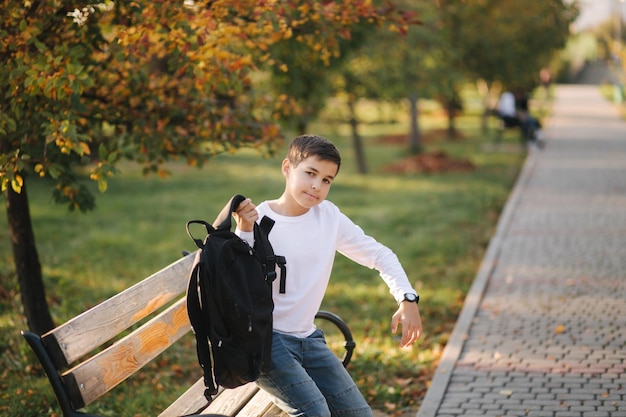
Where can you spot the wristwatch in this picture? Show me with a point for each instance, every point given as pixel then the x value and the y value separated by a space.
pixel 412 298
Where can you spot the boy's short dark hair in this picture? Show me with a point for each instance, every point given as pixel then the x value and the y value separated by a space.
pixel 305 146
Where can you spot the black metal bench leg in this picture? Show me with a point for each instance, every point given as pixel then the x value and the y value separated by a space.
pixel 53 375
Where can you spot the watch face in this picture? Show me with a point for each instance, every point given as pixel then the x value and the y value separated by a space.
pixel 410 297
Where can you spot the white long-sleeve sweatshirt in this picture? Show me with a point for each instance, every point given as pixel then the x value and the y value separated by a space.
pixel 309 242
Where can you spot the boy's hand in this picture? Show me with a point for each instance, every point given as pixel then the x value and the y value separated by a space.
pixel 408 316
pixel 246 215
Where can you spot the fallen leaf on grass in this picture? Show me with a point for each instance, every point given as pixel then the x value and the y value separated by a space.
pixel 390 406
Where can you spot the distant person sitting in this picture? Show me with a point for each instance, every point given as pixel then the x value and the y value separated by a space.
pixel 513 110
pixel 530 125
pixel 506 109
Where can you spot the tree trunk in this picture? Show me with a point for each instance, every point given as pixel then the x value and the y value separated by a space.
pixel 356 139
pixel 415 137
pixel 452 106
pixel 301 126
pixel 484 89
pixel 26 260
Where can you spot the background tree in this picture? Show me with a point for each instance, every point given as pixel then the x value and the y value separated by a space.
pixel 506 41
pixel 397 66
pixel 305 74
pixel 148 81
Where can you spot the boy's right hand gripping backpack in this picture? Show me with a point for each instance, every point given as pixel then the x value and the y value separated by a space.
pixel 229 302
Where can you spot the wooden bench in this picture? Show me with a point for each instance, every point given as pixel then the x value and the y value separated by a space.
pixel 82 364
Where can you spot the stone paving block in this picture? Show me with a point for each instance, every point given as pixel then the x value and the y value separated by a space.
pixel 540 413
pixel 490 407
pixel 523 397
pixel 546 397
pixel 451 410
pixel 567 414
pixel 569 396
pixel 588 410
pixel 540 403
pixel 470 406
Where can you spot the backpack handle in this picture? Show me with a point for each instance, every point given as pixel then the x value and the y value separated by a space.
pixel 226 224
pixel 209 229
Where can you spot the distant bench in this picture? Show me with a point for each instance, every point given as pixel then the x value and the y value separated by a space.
pixel 79 376
pixel 504 123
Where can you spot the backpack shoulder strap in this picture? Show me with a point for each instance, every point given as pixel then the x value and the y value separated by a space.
pixel 266 225
pixel 197 299
pixel 269 258
pixel 264 248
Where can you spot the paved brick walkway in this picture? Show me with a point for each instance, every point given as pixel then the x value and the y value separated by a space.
pixel 543 329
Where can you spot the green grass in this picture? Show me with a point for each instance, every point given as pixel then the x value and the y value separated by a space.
pixel 439 226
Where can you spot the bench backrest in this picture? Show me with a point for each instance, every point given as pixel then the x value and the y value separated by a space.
pixel 87 376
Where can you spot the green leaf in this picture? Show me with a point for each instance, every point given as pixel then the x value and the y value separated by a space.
pixel 40 46
pixel 11 125
pixel 112 158
pixel 102 185
pixel 54 171
pixel 102 151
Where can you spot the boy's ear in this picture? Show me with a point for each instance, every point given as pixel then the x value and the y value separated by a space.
pixel 286 167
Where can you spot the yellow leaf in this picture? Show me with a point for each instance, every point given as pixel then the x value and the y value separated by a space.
pixel 559 329
pixel 17 183
pixel 85 147
pixel 16 187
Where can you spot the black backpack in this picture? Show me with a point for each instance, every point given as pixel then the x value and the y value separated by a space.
pixel 229 302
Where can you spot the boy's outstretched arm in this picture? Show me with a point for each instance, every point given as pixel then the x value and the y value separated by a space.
pixel 408 316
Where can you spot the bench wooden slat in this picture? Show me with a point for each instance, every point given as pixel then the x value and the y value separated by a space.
pixel 91 379
pixel 246 402
pixel 80 335
pixel 274 411
pixel 231 401
pixel 261 405
pixel 191 402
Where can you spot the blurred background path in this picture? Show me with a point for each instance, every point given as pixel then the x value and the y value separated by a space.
pixel 543 328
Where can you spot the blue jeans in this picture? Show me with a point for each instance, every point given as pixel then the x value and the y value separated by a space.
pixel 307 379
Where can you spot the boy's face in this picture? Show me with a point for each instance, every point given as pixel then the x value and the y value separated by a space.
pixel 308 183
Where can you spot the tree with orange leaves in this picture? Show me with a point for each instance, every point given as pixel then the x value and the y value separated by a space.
pixel 86 84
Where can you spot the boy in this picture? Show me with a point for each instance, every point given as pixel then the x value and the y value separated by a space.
pixel 305 377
